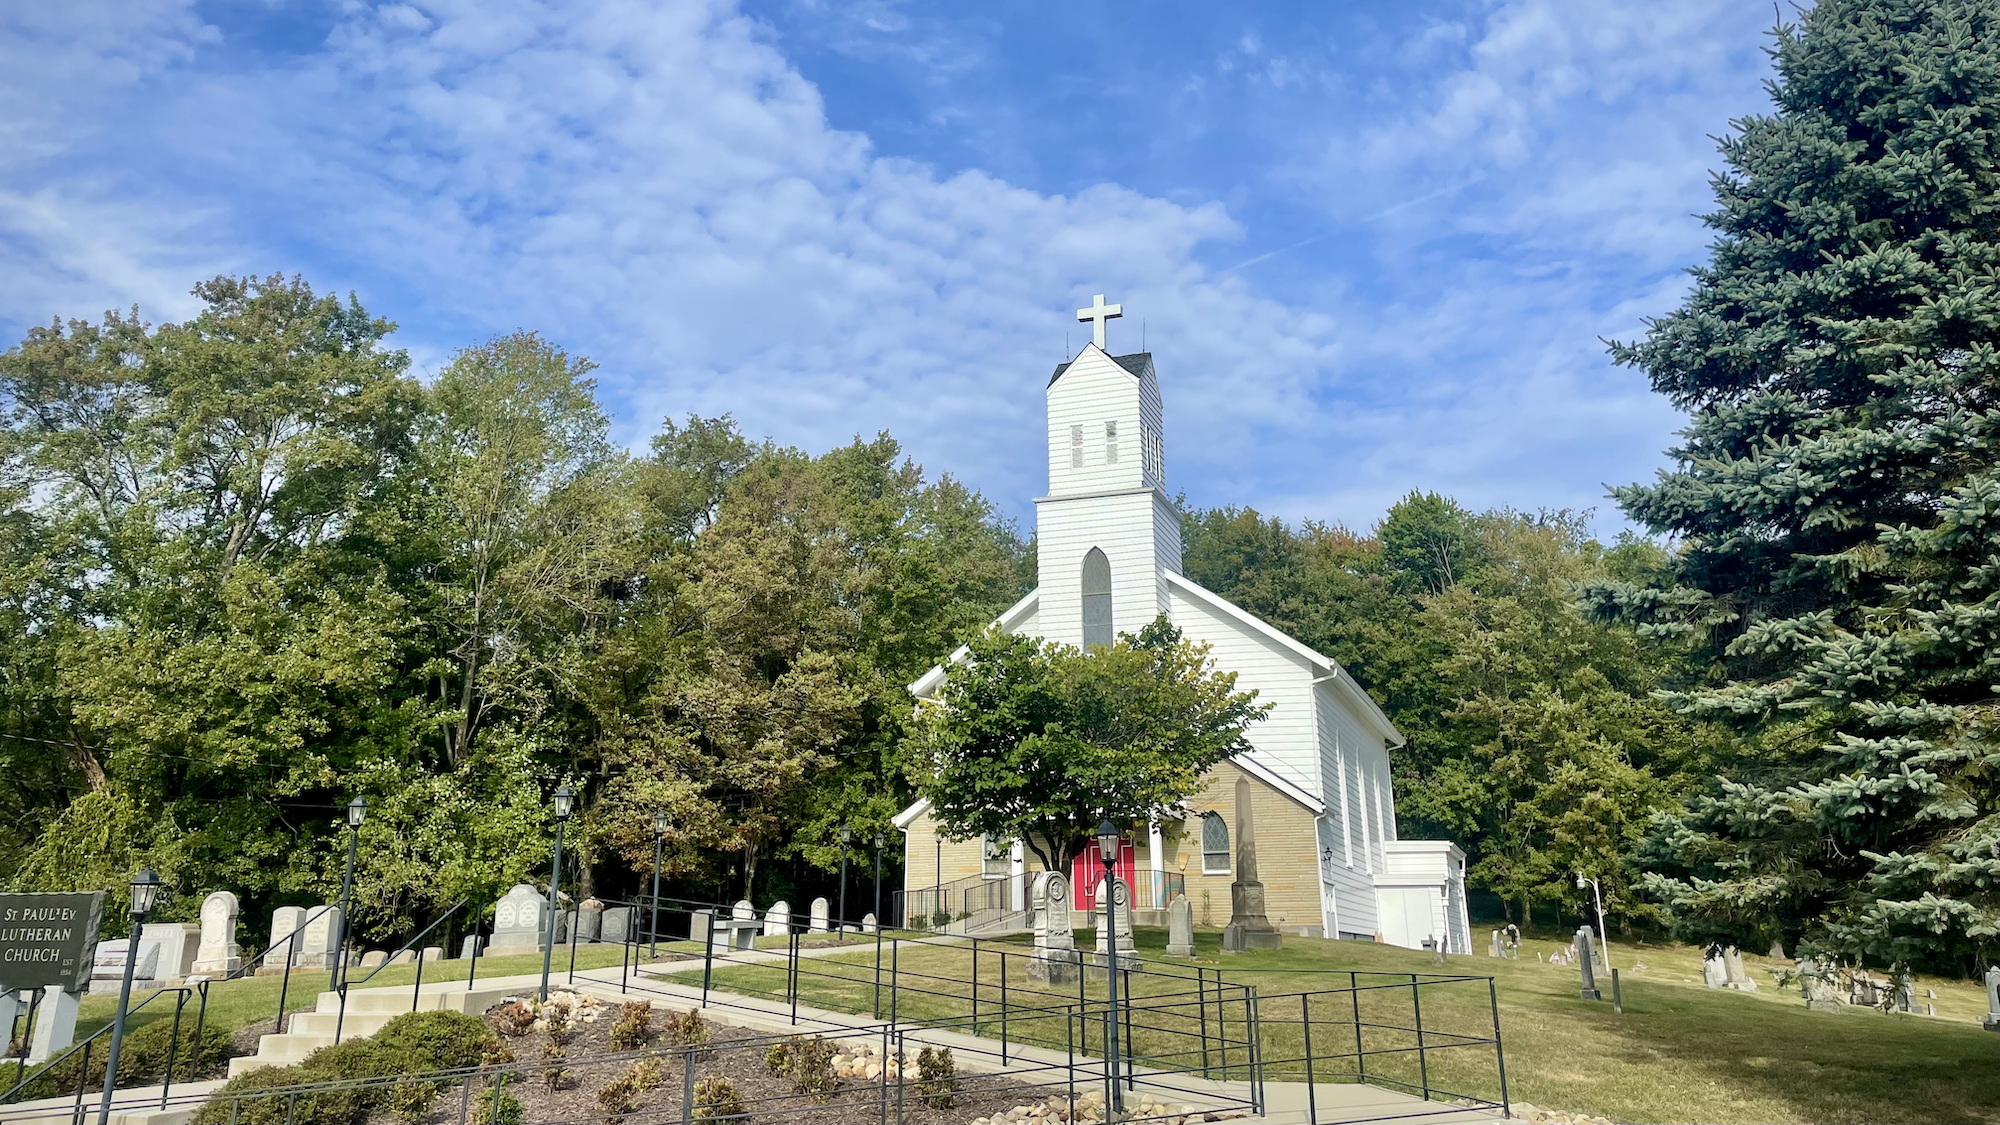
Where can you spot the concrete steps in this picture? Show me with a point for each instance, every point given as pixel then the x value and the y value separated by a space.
pixel 368 1011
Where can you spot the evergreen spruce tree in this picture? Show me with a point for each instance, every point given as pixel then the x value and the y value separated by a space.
pixel 1837 498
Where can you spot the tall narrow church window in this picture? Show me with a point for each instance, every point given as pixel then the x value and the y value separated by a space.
pixel 996 856
pixel 1076 447
pixel 1111 443
pixel 1096 600
pixel 1214 844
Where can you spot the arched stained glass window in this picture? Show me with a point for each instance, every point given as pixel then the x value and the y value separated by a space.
pixel 1214 844
pixel 1097 600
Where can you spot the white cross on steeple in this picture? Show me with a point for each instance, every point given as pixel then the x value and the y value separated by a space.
pixel 1099 312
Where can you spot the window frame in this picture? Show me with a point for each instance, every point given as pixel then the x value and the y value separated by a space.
pixel 1228 860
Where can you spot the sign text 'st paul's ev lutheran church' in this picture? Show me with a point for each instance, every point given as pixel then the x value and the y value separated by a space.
pixel 1318 768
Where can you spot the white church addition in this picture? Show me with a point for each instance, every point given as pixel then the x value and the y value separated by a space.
pixel 1108 537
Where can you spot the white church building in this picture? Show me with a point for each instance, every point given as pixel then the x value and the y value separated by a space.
pixel 1109 538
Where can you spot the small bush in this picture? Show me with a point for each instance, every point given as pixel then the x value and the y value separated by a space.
pixel 685 1029
pixel 937 1077
pixel 716 1099
pixel 410 1101
pixel 644 1074
pixel 634 1028
pixel 618 1098
pixel 555 1073
pixel 142 1059
pixel 508 1113
pixel 778 1060
pixel 557 1024
pixel 512 1019
pixel 812 1069
pixel 413 1043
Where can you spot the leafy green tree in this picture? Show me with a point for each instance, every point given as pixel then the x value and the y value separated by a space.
pixel 1043 742
pixel 1429 542
pixel 1834 497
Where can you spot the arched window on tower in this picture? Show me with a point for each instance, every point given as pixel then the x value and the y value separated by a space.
pixel 1097 600
pixel 1214 844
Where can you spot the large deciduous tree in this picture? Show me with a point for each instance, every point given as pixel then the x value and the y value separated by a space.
pixel 1041 742
pixel 1837 498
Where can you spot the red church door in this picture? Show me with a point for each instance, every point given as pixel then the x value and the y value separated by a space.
pixel 1086 870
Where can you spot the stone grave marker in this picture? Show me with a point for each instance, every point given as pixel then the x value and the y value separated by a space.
pixel 868 923
pixel 520 919
pixel 285 923
pixel 778 919
pixel 1054 958
pixel 374 959
pixel 1180 927
pixel 1493 946
pixel 218 955
pixel 1713 973
pixel 617 925
pixel 433 952
pixel 820 911
pixel 1777 952
pixel 1818 991
pixel 1248 927
pixel 1586 950
pixel 107 966
pixel 1121 926
pixel 469 948
pixel 1732 964
pixel 701 924
pixel 178 942
pixel 316 944
pixel 589 921
pixel 1992 1020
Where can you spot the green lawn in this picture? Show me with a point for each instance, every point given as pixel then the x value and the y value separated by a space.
pixel 1680 1052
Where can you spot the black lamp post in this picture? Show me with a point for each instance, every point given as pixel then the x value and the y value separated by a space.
pixel 878 881
pixel 846 837
pixel 565 803
pixel 1107 852
pixel 145 887
pixel 357 811
pixel 660 826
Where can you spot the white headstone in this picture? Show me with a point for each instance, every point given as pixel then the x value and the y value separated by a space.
pixel 316 943
pixel 868 923
pixel 617 925
pixel 1714 973
pixel 819 916
pixel 1121 900
pixel 285 921
pixel 469 948
pixel 55 1025
pixel 1180 927
pixel 218 955
pixel 433 952
pixel 1732 966
pixel 107 965
pixel 520 919
pixel 1493 948
pixel 373 959
pixel 743 911
pixel 701 925
pixel 778 919
pixel 1992 1020
pixel 178 942
pixel 1054 958
pixel 589 920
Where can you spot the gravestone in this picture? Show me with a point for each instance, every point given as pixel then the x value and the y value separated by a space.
pixel 1713 973
pixel 701 925
pixel 433 952
pixel 742 931
pixel 1180 927
pixel 1992 1020
pixel 1493 947
pixel 820 911
pixel 107 967
pixel 520 919
pixel 218 955
pixel 868 923
pixel 1732 964
pixel 284 947
pixel 1121 926
pixel 778 919
pixel 1903 991
pixel 589 921
pixel 617 925
pixel 742 911
pixel 404 957
pixel 1777 952
pixel 565 926
pixel 469 948
pixel 1586 949
pixel 316 944
pixel 1818 991
pixel 55 1024
pixel 1248 928
pixel 1054 959
pixel 374 959
pixel 178 942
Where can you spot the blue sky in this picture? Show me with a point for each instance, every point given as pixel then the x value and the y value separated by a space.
pixel 1373 246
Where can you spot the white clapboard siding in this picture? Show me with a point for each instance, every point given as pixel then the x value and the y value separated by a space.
pixel 1122 526
pixel 1287 738
pixel 1093 391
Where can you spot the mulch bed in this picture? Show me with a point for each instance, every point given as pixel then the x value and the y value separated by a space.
pixel 734 1053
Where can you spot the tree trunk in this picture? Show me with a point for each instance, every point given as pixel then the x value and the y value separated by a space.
pixel 749 871
pixel 86 762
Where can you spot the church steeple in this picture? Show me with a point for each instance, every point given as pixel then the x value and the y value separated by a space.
pixel 1107 492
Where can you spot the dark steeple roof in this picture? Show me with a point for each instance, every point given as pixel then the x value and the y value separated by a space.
pixel 1137 363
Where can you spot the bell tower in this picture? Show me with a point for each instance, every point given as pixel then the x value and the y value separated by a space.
pixel 1106 532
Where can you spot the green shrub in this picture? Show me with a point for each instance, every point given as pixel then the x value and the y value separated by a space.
pixel 410 1100
pixel 812 1069
pixel 778 1060
pixel 937 1076
pixel 413 1043
pixel 634 1028
pixel 508 1113
pixel 555 1073
pixel 685 1029
pixel 716 1099
pixel 142 1059
pixel 618 1098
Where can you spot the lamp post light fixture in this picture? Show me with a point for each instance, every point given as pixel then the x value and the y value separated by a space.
pixel 145 888
pixel 840 924
pixel 1107 853
pixel 878 881
pixel 1603 950
pixel 565 804
pixel 660 826
pixel 357 811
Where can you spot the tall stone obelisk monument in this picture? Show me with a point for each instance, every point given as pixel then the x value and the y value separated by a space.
pixel 1248 928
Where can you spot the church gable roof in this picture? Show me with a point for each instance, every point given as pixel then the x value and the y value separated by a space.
pixel 1138 363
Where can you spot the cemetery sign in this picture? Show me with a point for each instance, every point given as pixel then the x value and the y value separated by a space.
pixel 48 939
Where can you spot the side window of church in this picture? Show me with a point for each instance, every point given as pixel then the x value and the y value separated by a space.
pixel 1076 447
pixel 1096 600
pixel 1111 443
pixel 1214 845
pixel 998 856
